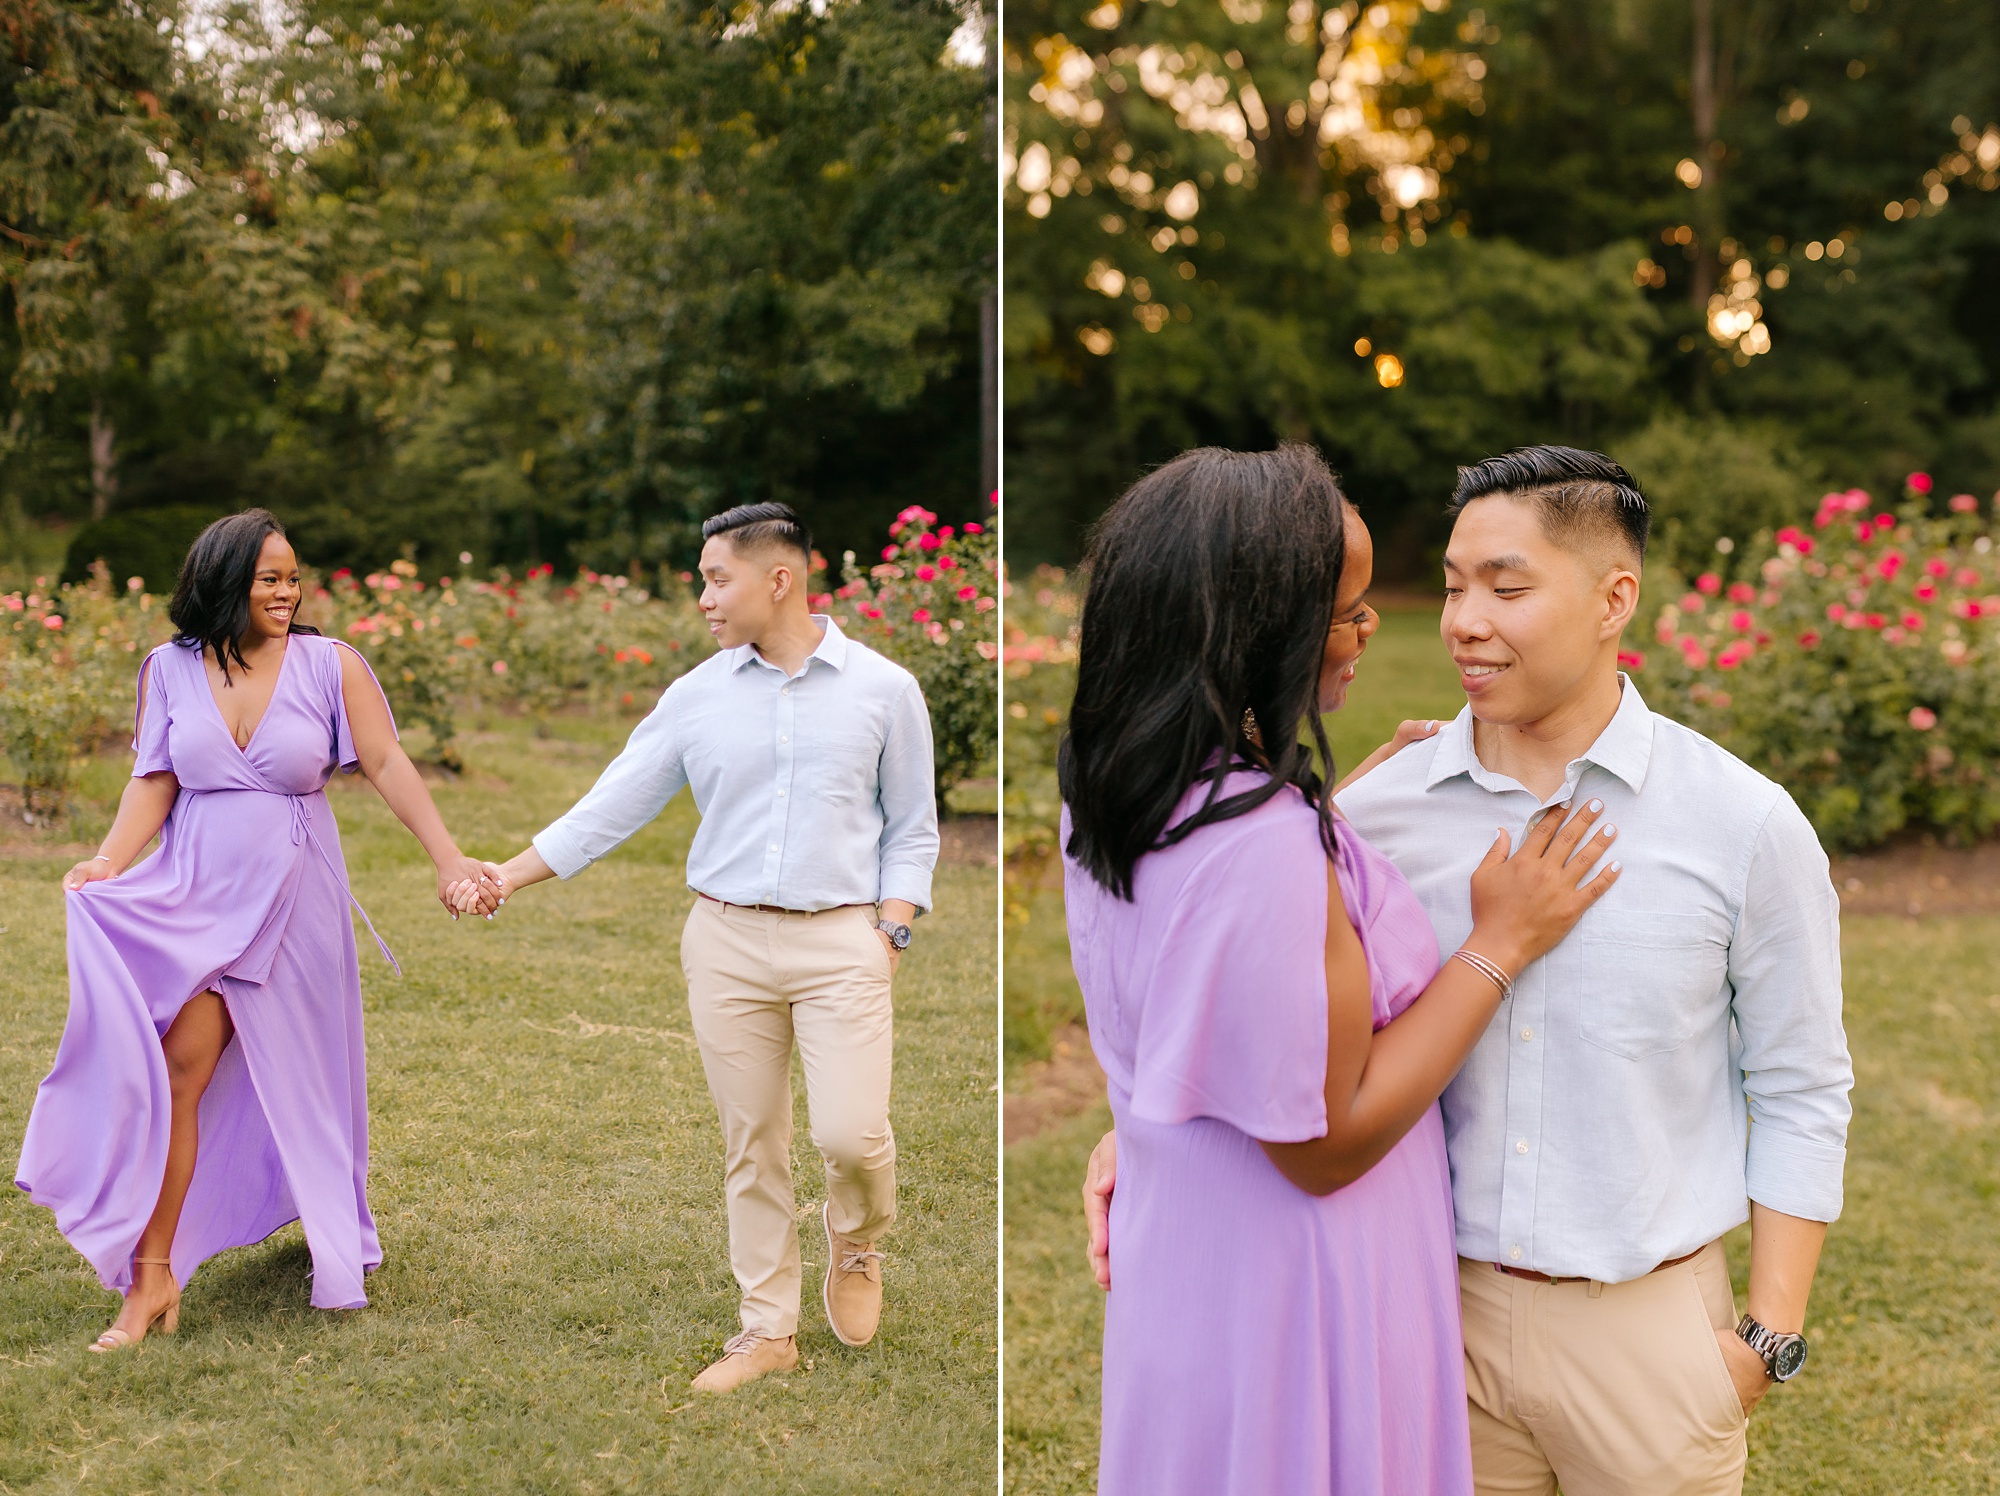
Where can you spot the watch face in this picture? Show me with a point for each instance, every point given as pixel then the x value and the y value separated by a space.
pixel 1790 1357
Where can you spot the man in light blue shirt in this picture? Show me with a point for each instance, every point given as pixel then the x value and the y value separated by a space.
pixel 809 756
pixel 1673 1067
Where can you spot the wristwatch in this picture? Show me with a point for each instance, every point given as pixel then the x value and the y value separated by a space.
pixel 1784 1355
pixel 899 935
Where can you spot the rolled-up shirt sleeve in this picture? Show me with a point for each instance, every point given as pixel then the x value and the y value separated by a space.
pixel 1784 966
pixel 908 850
pixel 634 787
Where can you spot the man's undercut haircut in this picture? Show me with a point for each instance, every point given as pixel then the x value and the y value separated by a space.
pixel 1584 498
pixel 758 527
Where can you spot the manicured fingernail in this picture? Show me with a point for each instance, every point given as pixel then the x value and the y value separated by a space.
pixel 1616 866
pixel 1610 831
pixel 1594 806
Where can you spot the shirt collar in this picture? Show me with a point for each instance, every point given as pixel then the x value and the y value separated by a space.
pixel 1624 748
pixel 831 649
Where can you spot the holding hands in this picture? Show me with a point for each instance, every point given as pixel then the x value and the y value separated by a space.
pixel 468 886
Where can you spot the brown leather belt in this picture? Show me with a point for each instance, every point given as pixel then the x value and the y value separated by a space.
pixel 1534 1277
pixel 777 908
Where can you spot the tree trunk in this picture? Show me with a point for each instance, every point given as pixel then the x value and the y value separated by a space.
pixel 989 393
pixel 1701 97
pixel 103 460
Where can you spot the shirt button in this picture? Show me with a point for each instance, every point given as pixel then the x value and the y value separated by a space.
pixel 1526 1033
pixel 1521 1146
pixel 785 691
pixel 774 846
pixel 781 794
pixel 783 738
pixel 1514 1254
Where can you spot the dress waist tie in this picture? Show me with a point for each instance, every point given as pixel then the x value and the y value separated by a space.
pixel 302 831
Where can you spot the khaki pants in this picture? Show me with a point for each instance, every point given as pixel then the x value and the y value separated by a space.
pixel 1613 1389
pixel 757 981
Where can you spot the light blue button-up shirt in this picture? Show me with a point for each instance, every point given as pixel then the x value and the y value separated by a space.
pixel 1681 1052
pixel 815 790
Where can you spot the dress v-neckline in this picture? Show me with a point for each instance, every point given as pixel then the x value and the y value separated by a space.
pixel 277 685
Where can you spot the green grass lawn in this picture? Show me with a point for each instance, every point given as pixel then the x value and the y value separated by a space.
pixel 548 1183
pixel 1903 1390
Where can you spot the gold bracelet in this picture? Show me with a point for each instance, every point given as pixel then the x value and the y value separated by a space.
pixel 1488 969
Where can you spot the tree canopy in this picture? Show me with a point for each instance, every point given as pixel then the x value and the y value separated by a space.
pixel 1749 245
pixel 528 279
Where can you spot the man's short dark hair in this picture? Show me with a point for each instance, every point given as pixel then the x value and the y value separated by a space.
pixel 1581 496
pixel 752 527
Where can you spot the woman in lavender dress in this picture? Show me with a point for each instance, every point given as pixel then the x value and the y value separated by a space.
pixel 210 1086
pixel 1265 996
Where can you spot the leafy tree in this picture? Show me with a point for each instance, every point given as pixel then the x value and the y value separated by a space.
pixel 1527 220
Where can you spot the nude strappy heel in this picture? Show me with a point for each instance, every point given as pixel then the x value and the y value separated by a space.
pixel 168 1318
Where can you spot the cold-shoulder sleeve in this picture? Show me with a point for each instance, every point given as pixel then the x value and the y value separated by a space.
pixel 343 734
pixel 154 714
pixel 1233 1022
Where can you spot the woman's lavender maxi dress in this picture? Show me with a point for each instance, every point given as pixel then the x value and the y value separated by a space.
pixel 247 895
pixel 1258 1340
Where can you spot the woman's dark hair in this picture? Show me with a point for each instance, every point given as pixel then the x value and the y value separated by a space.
pixel 1211 590
pixel 211 602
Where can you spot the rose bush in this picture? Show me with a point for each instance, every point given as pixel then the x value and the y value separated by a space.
pixel 69 655
pixel 534 643
pixel 68 659
pixel 1855 660
pixel 930 604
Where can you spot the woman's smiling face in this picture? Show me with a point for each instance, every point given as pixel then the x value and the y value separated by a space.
pixel 274 590
pixel 1354 622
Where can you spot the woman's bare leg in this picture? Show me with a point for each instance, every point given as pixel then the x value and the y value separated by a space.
pixel 193 1046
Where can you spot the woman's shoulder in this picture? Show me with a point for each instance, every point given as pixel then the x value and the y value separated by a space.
pixel 1271 842
pixel 161 660
pixel 327 652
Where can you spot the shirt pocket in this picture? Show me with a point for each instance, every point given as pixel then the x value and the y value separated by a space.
pixel 1648 979
pixel 846 767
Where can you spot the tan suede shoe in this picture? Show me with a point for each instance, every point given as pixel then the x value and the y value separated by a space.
pixel 853 1292
pixel 747 1357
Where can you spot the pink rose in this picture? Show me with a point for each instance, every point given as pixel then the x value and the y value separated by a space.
pixel 499 667
pixel 921 615
pixel 1691 603
pixel 929 542
pixel 889 553
pixel 1918 483
pixel 1740 620
pixel 1708 584
pixel 1631 660
pixel 1864 532
pixel 1963 503
pixel 1966 577
pixel 1922 718
pixel 1937 566
pixel 1741 592
pixel 1913 620
pixel 1809 639
pixel 972 529
pixel 53 621
pixel 1835 612
pixel 1925 592
pixel 967 594
pixel 926 573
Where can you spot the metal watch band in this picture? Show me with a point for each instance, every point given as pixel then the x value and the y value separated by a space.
pixel 1768 1343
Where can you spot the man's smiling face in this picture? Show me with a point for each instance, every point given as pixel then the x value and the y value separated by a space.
pixel 1526 620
